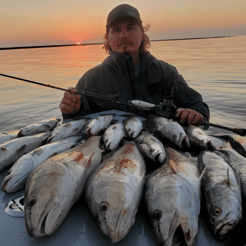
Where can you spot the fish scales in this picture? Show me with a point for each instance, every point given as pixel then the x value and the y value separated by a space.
pixel 38 127
pixel 17 175
pixel 198 138
pixel 114 190
pixel 151 147
pixel 222 193
pixel 98 124
pixel 113 135
pixel 168 129
pixel 133 125
pixel 238 164
pixel 166 193
pixel 54 186
pixel 12 150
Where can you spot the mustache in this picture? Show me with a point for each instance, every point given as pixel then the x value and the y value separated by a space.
pixel 124 42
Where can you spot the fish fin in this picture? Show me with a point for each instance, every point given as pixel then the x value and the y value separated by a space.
pixel 173 166
pixel 228 177
pixel 203 172
pixel 21 149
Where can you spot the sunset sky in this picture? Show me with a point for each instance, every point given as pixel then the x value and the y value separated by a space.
pixel 41 22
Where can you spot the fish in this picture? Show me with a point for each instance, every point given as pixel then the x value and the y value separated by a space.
pixel 133 125
pixel 198 138
pixel 233 141
pixel 151 147
pixel 168 129
pixel 38 127
pixel 7 136
pixel 222 191
pixel 19 172
pixel 54 186
pixel 12 150
pixel 114 190
pixel 68 129
pixel 172 197
pixel 98 124
pixel 238 164
pixel 113 135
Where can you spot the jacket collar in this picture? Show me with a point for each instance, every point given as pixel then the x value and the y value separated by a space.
pixel 118 61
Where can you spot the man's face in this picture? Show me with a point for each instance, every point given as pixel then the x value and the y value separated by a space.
pixel 125 37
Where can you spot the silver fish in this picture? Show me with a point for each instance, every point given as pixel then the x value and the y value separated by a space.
pixel 12 150
pixel 151 147
pixel 98 124
pixel 19 172
pixel 168 129
pixel 198 138
pixel 54 187
pixel 222 193
pixel 233 141
pixel 38 127
pixel 238 164
pixel 114 190
pixel 133 126
pixel 68 129
pixel 113 135
pixel 173 198
pixel 7 136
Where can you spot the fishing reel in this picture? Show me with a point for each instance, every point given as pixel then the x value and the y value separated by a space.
pixel 166 108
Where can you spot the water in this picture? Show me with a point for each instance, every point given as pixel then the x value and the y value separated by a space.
pixel 214 67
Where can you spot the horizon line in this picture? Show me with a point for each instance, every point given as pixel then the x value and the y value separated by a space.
pixel 84 44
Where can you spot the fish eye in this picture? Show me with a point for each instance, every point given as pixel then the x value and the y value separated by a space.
pixel 217 211
pixel 157 214
pixel 103 206
pixel 32 201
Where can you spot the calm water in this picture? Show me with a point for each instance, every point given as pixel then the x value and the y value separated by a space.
pixel 214 67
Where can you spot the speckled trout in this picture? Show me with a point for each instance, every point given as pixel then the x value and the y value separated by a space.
pixel 98 124
pixel 54 187
pixel 198 138
pixel 222 193
pixel 19 172
pixel 238 164
pixel 172 197
pixel 68 129
pixel 12 150
pixel 7 136
pixel 38 127
pixel 114 190
pixel 151 147
pixel 168 129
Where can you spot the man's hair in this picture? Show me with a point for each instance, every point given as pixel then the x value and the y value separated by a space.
pixel 143 47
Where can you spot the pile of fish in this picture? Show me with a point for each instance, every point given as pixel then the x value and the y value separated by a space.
pixel 108 159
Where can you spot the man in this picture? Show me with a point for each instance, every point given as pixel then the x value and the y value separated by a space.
pixel 132 73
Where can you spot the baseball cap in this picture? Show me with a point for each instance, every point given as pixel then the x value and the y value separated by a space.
pixel 123 10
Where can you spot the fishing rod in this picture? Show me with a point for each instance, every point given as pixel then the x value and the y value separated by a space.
pixel 165 109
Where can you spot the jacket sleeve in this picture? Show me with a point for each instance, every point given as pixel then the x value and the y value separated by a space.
pixel 185 97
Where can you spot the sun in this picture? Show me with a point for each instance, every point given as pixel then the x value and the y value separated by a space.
pixel 78 43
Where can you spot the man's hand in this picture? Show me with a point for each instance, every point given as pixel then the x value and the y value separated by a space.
pixel 189 116
pixel 70 103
